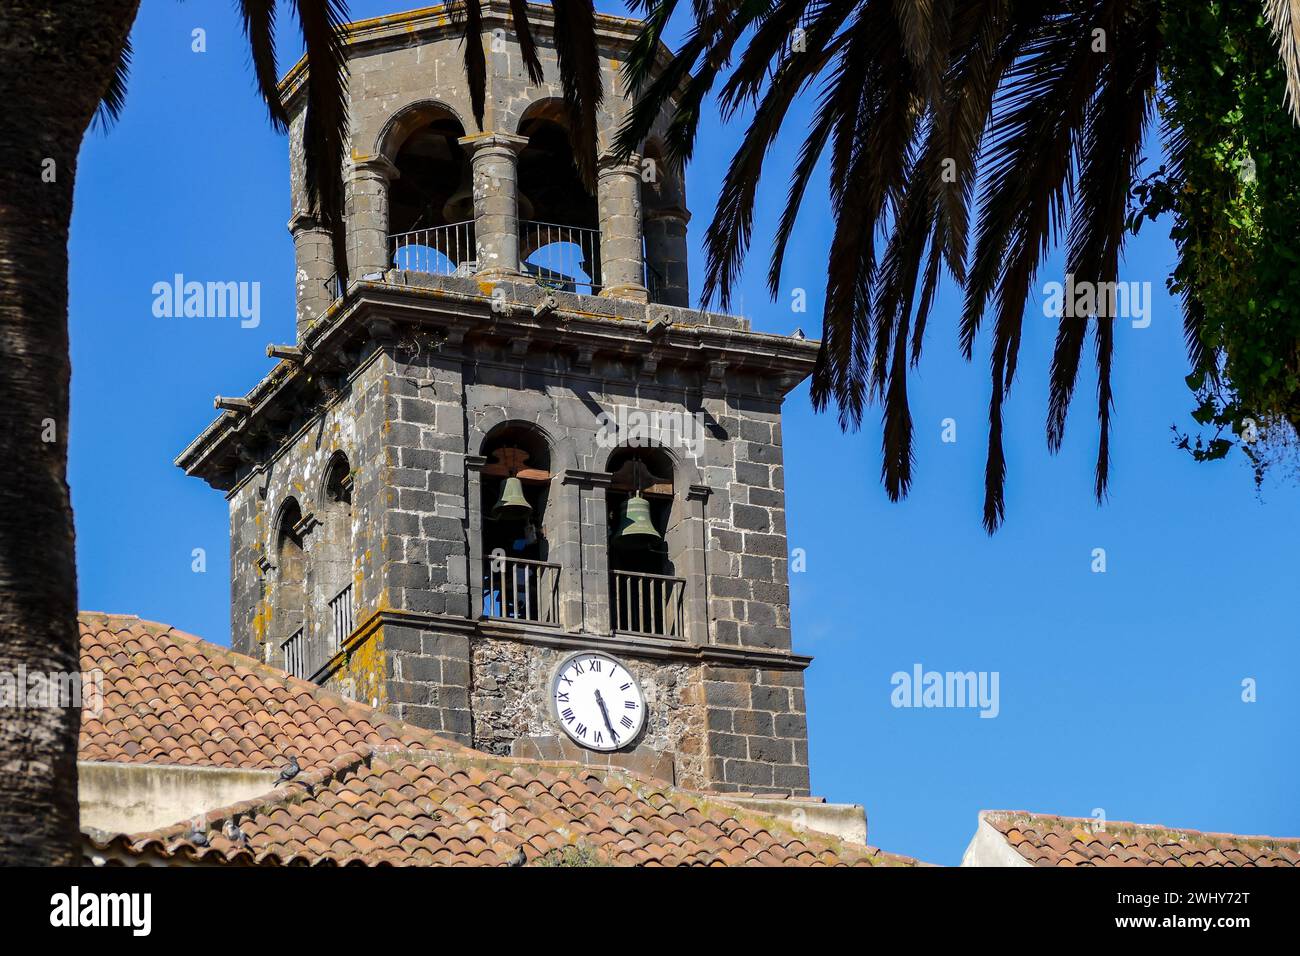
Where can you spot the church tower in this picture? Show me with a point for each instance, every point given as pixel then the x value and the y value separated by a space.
pixel 506 485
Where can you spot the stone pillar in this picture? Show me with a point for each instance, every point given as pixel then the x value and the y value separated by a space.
pixel 696 565
pixel 474 518
pixel 665 252
pixel 595 554
pixel 565 503
pixel 618 198
pixel 366 213
pixel 314 269
pixel 494 158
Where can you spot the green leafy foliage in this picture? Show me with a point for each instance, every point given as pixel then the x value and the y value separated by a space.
pixel 1232 184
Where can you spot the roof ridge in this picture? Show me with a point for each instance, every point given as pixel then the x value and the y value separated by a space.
pixel 1131 825
pixel 713 800
pixel 283 793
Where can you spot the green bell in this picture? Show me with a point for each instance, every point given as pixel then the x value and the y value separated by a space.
pixel 512 505
pixel 635 529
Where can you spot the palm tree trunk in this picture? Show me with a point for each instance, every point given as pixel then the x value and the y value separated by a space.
pixel 56 61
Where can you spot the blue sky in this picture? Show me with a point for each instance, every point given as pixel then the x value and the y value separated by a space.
pixel 1119 691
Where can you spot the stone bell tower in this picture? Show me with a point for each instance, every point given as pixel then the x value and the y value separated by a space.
pixel 507 438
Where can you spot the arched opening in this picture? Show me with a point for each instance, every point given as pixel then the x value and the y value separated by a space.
pixel 332 558
pixel 559 224
pixel 288 600
pixel 646 541
pixel 431 201
pixel 519 581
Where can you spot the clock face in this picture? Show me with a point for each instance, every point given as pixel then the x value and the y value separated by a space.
pixel 597 701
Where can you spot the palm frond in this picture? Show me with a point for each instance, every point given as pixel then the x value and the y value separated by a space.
pixel 527 45
pixel 113 101
pixel 941 118
pixel 859 181
pixel 810 153
pixel 1284 18
pixel 1111 152
pixel 575 48
pixel 715 57
pixel 772 43
pixel 644 55
pixel 727 237
pixel 259 29
pixel 995 458
pixel 1035 121
pixel 468 15
pixel 896 440
pixel 714 35
pixel 325 126
pixel 981 52
pixel 1200 354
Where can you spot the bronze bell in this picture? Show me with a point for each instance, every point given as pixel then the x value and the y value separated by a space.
pixel 635 529
pixel 460 204
pixel 512 505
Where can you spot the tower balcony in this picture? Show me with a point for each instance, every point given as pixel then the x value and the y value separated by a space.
pixel 559 257
pixel 429 192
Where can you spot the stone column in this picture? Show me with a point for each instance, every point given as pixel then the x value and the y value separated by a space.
pixel 565 503
pixel 473 498
pixel 366 212
pixel 665 252
pixel 594 552
pixel 494 158
pixel 696 566
pixel 618 197
pixel 314 268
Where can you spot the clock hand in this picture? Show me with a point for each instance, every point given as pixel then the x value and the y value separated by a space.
pixel 600 701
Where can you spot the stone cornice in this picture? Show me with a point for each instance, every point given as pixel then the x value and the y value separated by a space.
pixel 507 142
pixel 586 479
pixel 618 34
pixel 458 307
pixel 662 649
pixel 379 167
pixel 658 648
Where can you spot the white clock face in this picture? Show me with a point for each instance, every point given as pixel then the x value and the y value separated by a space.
pixel 597 701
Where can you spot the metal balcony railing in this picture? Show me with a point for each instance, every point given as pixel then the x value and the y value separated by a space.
pixel 336 286
pixel 654 282
pixel 565 258
pixel 294 652
pixel 341 619
pixel 305 654
pixel 441 250
pixel 648 603
pixel 520 589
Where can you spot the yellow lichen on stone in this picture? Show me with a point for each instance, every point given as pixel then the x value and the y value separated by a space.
pixel 364 670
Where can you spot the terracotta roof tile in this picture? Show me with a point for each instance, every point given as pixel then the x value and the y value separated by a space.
pixel 170 698
pixel 1071 841
pixel 374 791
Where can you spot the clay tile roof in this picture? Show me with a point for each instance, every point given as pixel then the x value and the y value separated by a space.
pixel 375 791
pixel 171 698
pixel 1046 840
